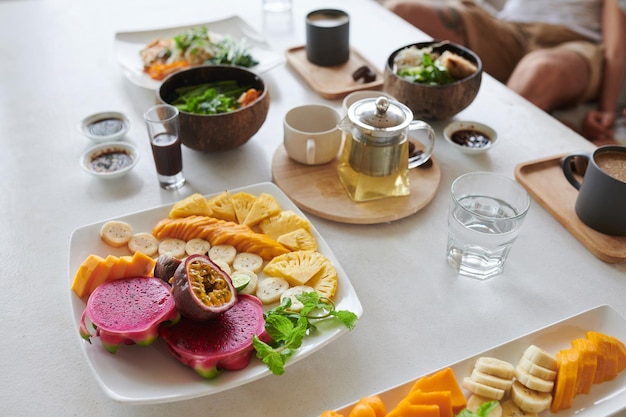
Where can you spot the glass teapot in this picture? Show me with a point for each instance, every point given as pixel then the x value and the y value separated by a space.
pixel 375 159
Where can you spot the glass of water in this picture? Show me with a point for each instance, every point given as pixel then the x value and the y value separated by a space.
pixel 485 216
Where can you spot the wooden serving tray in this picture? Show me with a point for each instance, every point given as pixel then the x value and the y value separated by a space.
pixel 317 189
pixel 332 82
pixel 545 182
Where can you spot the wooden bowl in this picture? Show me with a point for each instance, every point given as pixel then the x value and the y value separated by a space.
pixel 217 132
pixel 434 102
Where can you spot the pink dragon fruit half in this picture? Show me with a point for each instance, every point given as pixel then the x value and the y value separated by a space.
pixel 128 311
pixel 221 343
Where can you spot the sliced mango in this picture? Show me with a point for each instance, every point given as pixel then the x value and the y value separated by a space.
pixel 81 279
pixel 442 399
pixel 443 380
pixel 101 273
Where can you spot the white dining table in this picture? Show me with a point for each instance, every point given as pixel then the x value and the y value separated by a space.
pixel 59 65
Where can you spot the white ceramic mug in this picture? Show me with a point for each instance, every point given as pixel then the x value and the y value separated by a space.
pixel 311 135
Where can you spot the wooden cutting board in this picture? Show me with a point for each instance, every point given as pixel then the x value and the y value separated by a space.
pixel 317 189
pixel 545 182
pixel 332 82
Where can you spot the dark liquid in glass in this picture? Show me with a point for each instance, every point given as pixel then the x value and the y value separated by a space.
pixel 167 155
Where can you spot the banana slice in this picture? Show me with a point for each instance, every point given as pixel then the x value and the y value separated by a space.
pixel 145 243
pixel 197 246
pixel 172 247
pixel 116 233
pixel 482 389
pixel 540 357
pixel 528 399
pixel 270 289
pixel 250 261
pixel 475 401
pixel 223 266
pixel 249 289
pixel 292 293
pixel 536 370
pixel 533 382
pixel 510 409
pixel 495 367
pixel 491 380
pixel 226 253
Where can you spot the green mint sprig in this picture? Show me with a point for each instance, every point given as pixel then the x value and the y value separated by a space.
pixel 288 328
pixel 483 411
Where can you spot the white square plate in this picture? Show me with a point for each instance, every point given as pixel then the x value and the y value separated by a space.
pixel 604 399
pixel 151 374
pixel 129 44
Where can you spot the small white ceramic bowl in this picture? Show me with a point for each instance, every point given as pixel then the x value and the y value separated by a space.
pixel 110 160
pixel 105 127
pixel 469 137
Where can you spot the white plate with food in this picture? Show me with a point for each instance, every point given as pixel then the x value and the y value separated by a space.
pixel 150 374
pixel 128 47
pixel 604 399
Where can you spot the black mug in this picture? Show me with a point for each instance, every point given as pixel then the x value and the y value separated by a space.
pixel 327 37
pixel 601 201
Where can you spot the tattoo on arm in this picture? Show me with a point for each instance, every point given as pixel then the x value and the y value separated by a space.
pixel 452 20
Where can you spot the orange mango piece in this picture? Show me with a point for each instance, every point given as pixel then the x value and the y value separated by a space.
pixel 588 362
pixel 140 265
pixel 406 409
pixel 100 274
pixel 82 276
pixel 362 410
pixel 442 399
pixel 607 356
pixel 376 404
pixel 118 270
pixel 443 380
pixel 565 384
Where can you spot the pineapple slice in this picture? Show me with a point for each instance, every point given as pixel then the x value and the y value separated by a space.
pixel 222 207
pixel 299 239
pixel 264 206
pixel 242 202
pixel 194 205
pixel 297 268
pixel 325 283
pixel 284 222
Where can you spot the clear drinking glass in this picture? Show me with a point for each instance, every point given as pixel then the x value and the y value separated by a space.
pixel 484 219
pixel 163 131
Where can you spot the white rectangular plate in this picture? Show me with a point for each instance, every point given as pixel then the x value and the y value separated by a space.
pixel 604 399
pixel 151 374
pixel 129 44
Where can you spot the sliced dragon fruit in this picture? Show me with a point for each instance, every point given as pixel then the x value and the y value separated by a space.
pixel 222 343
pixel 128 311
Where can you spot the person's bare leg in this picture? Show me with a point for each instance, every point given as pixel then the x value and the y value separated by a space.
pixel 436 18
pixel 550 79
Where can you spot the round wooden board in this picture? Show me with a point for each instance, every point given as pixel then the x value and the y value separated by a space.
pixel 317 189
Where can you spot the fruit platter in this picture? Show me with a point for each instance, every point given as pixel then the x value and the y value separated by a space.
pixel 470 382
pixel 143 372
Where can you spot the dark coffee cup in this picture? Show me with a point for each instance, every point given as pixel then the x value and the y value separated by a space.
pixel 601 201
pixel 327 37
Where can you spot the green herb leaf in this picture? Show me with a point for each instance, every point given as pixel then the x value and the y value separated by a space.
pixel 288 329
pixel 483 411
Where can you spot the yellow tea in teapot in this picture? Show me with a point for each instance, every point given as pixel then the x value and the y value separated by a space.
pixel 365 181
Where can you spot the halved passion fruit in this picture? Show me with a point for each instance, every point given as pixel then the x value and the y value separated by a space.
pixel 201 289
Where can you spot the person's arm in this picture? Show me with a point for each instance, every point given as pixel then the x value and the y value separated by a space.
pixel 598 124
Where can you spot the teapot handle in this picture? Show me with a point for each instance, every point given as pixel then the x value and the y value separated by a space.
pixel 429 144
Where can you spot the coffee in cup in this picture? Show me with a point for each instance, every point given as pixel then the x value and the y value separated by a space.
pixel 601 201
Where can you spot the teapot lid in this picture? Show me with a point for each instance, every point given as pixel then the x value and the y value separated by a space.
pixel 380 115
